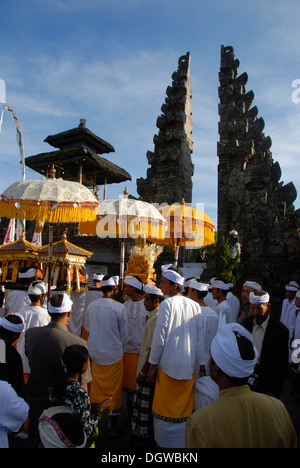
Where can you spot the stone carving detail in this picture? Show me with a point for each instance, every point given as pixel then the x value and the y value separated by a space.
pixel 169 178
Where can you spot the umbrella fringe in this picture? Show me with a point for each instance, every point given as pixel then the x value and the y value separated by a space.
pixel 62 214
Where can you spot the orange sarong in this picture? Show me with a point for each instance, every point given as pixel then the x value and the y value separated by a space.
pixel 107 382
pixel 130 367
pixel 173 399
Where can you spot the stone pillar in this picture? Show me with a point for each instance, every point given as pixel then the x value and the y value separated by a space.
pixel 169 178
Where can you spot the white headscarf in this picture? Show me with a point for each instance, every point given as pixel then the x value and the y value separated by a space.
pixel 13 327
pixel 292 286
pixel 38 288
pixel 152 289
pixel 254 299
pixel 194 284
pixel 219 285
pixel 132 281
pixel 98 277
pixel 172 275
pixel 66 306
pixel 112 281
pixel 27 274
pixel 226 354
pixel 253 285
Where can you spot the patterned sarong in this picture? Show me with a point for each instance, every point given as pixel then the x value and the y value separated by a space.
pixel 107 382
pixel 142 418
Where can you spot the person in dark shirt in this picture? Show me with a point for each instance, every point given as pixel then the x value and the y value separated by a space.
pixel 11 366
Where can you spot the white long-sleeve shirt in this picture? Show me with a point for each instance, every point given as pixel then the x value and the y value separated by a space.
pixel 13 412
pixel 107 331
pixel 178 342
pixel 288 315
pixel 224 312
pixel 136 318
pixel 235 305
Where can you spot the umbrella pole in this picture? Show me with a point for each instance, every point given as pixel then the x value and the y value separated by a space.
pixel 122 263
pixel 176 255
pixel 50 260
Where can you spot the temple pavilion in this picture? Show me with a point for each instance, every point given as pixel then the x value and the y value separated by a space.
pixel 78 159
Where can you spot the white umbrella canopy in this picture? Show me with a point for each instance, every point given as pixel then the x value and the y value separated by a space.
pixel 126 218
pixel 51 200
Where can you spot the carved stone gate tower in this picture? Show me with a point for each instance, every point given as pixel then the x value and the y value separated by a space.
pixel 169 178
pixel 251 198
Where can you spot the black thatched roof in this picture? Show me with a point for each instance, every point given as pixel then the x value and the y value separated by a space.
pixel 96 170
pixel 79 136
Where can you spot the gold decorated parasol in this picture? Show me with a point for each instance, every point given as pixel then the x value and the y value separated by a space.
pixel 187 227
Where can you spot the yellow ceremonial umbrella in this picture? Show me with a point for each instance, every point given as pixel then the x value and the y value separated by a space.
pixel 187 227
pixel 48 200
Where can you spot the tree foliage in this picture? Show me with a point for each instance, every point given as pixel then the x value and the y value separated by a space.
pixel 226 265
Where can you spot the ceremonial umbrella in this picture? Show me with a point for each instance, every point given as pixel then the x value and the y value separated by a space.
pixel 125 218
pixel 48 200
pixel 187 227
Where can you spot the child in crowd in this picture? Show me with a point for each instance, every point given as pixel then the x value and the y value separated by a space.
pixel 72 394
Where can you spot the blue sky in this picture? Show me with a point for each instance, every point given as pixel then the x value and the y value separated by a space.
pixel 110 62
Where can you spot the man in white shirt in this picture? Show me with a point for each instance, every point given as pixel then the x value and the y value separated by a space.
pixel 198 292
pixel 106 344
pixel 176 348
pixel 288 310
pixel 219 292
pixel 142 418
pixel 234 303
pixel 34 315
pixel 136 318
pixel 13 412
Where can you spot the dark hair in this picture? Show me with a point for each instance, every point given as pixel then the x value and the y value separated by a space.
pixel 56 300
pixel 8 335
pixel 155 296
pixel 173 268
pixel 137 290
pixel 74 357
pixel 201 294
pixel 24 281
pixel 106 289
pixel 225 291
pixel 247 353
pixel 71 427
pixel 35 297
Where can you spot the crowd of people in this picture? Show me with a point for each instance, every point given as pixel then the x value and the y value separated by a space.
pixel 194 365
